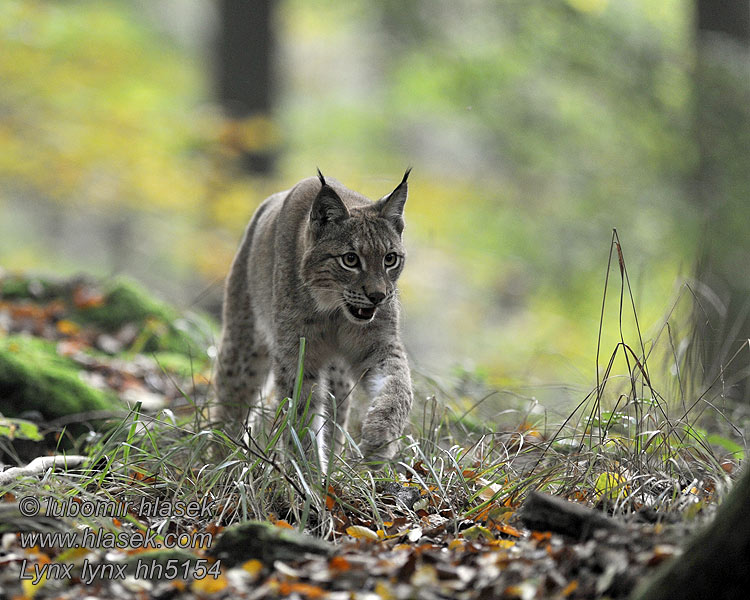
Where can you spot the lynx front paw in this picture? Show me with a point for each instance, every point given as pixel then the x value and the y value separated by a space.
pixel 377 451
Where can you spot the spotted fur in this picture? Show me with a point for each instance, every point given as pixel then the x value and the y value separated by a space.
pixel 321 262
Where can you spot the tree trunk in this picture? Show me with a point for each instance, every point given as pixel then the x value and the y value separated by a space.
pixel 244 73
pixel 722 190
pixel 716 563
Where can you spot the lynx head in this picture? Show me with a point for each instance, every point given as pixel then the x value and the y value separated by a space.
pixel 354 256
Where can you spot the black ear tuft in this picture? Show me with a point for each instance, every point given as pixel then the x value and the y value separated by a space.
pixel 323 179
pixel 406 176
pixel 391 207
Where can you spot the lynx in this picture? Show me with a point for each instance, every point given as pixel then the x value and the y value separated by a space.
pixel 321 262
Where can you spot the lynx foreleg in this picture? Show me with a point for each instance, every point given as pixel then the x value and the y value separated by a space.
pixel 389 385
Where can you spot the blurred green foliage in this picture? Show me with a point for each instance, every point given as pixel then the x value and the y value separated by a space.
pixel 536 127
pixel 533 127
pixel 95 108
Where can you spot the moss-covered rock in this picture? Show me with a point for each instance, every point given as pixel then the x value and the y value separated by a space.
pixel 70 346
pixel 161 328
pixel 108 307
pixel 35 379
pixel 266 542
pixel 15 287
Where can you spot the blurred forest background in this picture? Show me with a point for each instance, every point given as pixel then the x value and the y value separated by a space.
pixel 139 136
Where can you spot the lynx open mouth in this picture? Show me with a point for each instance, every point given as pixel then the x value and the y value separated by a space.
pixel 361 314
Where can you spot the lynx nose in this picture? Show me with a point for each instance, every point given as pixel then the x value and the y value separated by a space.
pixel 375 297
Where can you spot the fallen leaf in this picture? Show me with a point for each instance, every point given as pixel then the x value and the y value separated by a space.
pixel 489 490
pixel 67 327
pixel 384 591
pixel 508 530
pixel 610 485
pixel 339 564
pixel 303 589
pixel 414 534
pixel 456 544
pixel 330 501
pixel 476 532
pixel 570 588
pixel 359 532
pixel 254 567
pixel 30 588
pixel 209 585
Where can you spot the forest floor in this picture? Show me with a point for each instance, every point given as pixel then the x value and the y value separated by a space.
pixel 155 503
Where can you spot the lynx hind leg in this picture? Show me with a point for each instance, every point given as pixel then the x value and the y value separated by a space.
pixel 339 385
pixel 242 371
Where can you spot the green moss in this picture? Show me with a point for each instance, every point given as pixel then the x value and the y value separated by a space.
pixel 14 287
pixel 20 429
pixel 33 377
pixel 126 302
pixel 161 327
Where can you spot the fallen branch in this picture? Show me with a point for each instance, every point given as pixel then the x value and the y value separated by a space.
pixel 542 512
pixel 41 464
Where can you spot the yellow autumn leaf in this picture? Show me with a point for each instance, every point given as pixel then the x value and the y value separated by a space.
pixel 67 327
pixel 359 532
pixel 30 588
pixel 611 486
pixel 456 543
pixel 476 532
pixel 253 566
pixel 72 554
pixel 209 585
pixel 384 591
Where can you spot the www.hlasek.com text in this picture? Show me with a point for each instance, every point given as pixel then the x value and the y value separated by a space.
pixel 114 540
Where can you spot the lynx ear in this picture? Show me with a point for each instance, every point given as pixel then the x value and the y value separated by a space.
pixel 327 207
pixel 391 207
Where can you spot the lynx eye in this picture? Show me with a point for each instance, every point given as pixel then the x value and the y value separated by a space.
pixel 391 260
pixel 349 260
